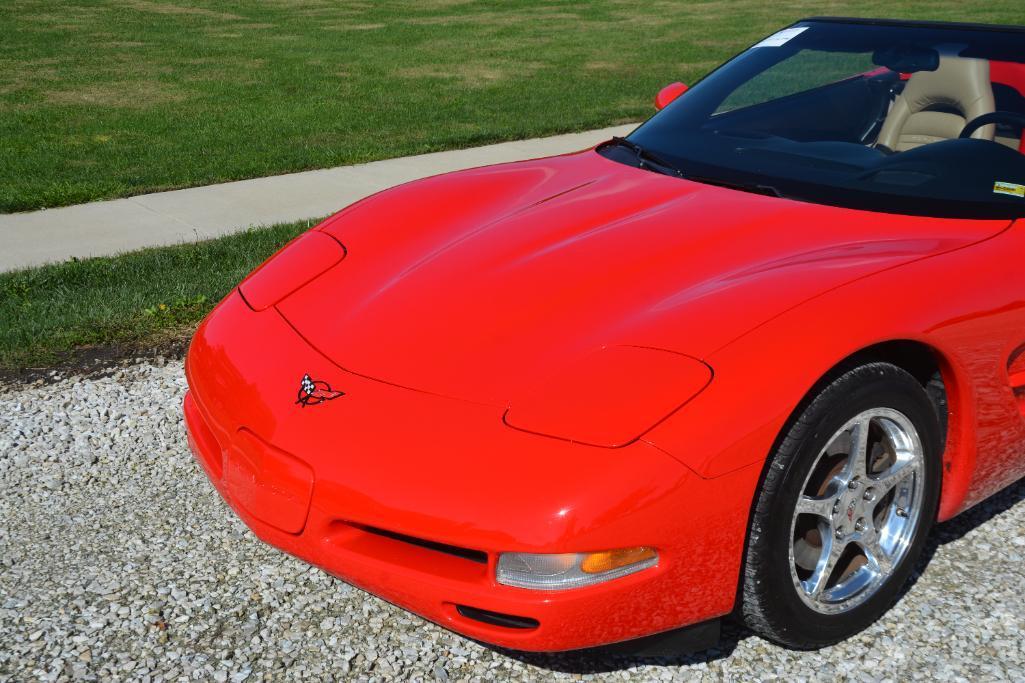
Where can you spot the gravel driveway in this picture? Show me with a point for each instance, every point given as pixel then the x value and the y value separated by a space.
pixel 118 559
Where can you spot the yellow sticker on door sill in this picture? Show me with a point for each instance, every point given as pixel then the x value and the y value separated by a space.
pixel 1012 189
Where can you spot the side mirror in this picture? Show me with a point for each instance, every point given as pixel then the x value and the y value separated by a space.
pixel 668 94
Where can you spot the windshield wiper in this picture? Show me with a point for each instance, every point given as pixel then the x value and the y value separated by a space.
pixel 649 160
pixel 756 188
pixel 646 158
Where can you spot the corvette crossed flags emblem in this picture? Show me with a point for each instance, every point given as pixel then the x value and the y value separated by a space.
pixel 313 392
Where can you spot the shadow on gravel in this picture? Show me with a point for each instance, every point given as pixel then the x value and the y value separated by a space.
pixel 597 661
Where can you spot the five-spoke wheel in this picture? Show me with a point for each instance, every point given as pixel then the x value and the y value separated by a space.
pixel 857 512
pixel 847 500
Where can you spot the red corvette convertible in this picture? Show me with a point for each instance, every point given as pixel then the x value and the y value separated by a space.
pixel 737 363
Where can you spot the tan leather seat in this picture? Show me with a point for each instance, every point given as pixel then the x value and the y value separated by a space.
pixel 923 113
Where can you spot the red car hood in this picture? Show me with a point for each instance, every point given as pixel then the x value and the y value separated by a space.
pixel 479 284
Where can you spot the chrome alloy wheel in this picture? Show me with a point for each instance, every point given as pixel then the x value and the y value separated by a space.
pixel 858 511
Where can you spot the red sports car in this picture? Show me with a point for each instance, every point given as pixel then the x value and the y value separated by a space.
pixel 737 363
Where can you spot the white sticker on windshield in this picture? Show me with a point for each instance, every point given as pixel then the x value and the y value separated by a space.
pixel 782 37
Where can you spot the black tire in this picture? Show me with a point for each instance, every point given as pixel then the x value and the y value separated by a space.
pixel 769 601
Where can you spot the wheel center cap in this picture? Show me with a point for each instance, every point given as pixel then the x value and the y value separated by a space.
pixel 849 508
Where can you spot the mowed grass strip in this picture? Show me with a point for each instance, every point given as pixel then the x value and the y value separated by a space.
pixel 107 98
pixel 129 299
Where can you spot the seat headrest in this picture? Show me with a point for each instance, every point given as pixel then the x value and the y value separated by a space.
pixel 958 82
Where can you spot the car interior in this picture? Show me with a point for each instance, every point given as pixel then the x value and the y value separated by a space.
pixel 937 105
pixel 875 115
pixel 896 111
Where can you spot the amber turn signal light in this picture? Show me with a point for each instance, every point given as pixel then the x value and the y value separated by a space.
pixel 608 560
pixel 571 570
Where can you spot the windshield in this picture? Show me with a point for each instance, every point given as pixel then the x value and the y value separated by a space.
pixel 902 118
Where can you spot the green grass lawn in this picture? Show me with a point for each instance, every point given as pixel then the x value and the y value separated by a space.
pixel 129 299
pixel 106 98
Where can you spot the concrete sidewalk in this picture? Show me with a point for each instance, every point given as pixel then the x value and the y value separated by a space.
pixel 104 228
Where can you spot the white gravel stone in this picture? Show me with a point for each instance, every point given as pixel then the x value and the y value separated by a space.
pixel 119 561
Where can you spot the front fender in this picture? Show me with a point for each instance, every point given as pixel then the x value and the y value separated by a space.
pixel 972 322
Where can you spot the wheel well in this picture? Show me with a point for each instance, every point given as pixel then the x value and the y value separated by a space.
pixel 916 358
pixel 919 360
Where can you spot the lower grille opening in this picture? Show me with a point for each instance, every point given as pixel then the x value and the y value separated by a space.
pixel 465 553
pixel 497 618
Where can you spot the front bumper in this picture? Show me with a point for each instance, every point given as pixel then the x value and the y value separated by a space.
pixel 411 496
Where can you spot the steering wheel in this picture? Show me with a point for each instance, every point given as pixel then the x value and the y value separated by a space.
pixel 993 117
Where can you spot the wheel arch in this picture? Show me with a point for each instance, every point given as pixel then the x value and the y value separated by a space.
pixel 937 374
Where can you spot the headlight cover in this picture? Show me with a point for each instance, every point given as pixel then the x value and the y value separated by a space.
pixel 294 266
pixel 611 396
pixel 571 570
